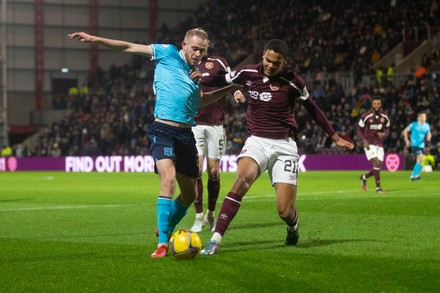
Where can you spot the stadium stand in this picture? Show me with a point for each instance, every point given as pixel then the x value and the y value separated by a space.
pixel 334 46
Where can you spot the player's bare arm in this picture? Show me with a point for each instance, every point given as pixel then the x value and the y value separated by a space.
pixel 116 45
pixel 405 136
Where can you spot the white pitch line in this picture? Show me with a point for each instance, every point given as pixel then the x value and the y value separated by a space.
pixel 69 207
pixel 300 193
pixel 306 193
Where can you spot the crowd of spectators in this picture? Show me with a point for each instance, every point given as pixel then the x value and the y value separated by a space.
pixel 324 36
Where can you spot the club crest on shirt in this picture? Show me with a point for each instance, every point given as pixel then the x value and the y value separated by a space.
pixel 209 65
pixel 274 86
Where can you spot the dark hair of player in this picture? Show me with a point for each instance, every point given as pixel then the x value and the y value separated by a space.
pixel 278 46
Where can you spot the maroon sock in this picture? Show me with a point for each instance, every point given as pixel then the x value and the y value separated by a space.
pixel 213 191
pixel 369 174
pixel 377 177
pixel 198 203
pixel 228 210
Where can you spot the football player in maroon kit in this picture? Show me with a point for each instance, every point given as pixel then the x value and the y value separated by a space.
pixel 373 126
pixel 210 138
pixel 273 91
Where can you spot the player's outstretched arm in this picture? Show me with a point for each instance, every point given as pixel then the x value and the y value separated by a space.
pixel 210 97
pixel 116 45
pixel 340 142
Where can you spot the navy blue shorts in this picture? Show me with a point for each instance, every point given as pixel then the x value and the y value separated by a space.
pixel 417 151
pixel 177 144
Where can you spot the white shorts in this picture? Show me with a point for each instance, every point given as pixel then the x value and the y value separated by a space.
pixel 210 140
pixel 277 156
pixel 374 151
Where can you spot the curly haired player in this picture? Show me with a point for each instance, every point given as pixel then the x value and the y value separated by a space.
pixel 373 126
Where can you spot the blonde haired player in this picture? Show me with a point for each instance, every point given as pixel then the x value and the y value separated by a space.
pixel 172 143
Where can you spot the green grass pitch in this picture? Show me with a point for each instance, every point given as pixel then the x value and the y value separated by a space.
pixel 94 232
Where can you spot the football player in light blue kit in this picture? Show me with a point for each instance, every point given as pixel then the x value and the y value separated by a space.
pixel 420 131
pixel 172 143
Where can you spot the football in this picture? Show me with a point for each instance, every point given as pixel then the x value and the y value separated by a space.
pixel 185 244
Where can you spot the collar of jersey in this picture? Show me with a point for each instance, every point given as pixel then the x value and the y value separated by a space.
pixel 182 56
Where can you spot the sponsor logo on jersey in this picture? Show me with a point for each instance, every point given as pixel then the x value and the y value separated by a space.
pixel 264 96
pixel 376 126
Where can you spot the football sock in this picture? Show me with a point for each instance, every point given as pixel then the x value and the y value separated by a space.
pixel 229 209
pixel 217 237
pixel 377 177
pixel 163 215
pixel 213 191
pixel 416 170
pixel 178 211
pixel 198 202
pixel 369 174
pixel 210 214
pixel 292 222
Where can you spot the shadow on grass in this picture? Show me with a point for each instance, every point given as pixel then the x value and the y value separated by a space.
pixel 276 244
pixel 15 200
pixel 257 225
pixel 310 243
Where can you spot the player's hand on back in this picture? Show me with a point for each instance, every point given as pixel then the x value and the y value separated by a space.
pixel 239 97
pixel 195 75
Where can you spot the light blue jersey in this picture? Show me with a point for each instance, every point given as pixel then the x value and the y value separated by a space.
pixel 418 133
pixel 177 95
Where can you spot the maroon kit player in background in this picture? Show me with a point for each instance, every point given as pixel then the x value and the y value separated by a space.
pixel 210 138
pixel 272 91
pixel 373 127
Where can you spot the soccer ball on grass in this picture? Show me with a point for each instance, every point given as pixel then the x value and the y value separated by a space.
pixel 185 244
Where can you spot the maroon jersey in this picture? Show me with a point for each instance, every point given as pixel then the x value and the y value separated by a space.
pixel 372 123
pixel 272 99
pixel 213 69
